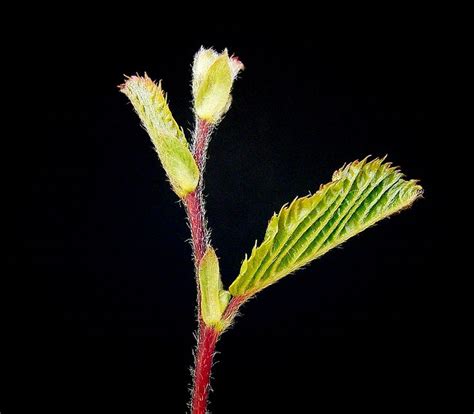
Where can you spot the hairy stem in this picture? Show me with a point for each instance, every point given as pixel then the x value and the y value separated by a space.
pixel 202 133
pixel 197 224
pixel 233 307
pixel 206 337
pixel 204 356
pixel 194 201
pixel 202 372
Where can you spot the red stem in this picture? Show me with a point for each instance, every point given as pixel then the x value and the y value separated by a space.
pixel 206 336
pixel 200 143
pixel 202 372
pixel 194 203
pixel 197 224
pixel 233 307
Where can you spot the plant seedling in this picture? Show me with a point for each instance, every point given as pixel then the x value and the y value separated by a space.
pixel 359 195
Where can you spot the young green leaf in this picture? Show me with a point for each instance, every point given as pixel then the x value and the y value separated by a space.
pixel 359 195
pixel 168 138
pixel 214 299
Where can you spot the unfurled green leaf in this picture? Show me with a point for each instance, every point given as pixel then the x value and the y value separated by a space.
pixel 359 195
pixel 214 299
pixel 168 138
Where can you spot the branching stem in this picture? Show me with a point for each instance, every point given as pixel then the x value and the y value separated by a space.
pixel 206 336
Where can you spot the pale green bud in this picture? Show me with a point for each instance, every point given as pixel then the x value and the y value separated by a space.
pixel 213 76
pixel 214 299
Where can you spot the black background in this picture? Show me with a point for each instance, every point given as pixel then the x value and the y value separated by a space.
pixel 101 242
